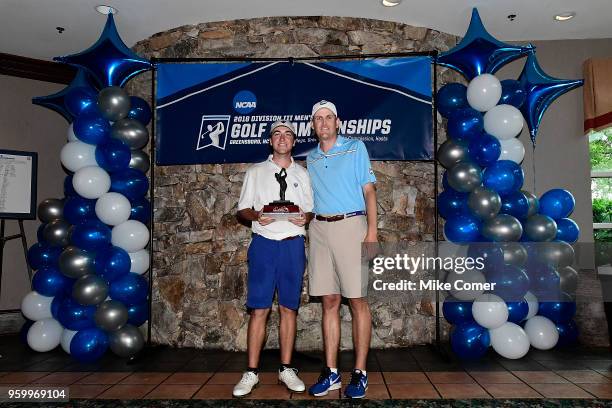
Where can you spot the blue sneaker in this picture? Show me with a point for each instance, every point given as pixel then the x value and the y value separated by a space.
pixel 327 382
pixel 358 386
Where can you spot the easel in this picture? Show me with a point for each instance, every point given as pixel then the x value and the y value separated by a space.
pixel 4 240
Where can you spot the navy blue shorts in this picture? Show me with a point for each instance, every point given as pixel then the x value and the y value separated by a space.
pixel 275 265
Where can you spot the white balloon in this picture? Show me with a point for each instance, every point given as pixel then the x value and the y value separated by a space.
pixel 503 122
pixel 67 336
pixel 76 155
pixel 510 340
pixel 140 261
pixel 512 149
pixel 542 333
pixel 483 92
pixel 131 236
pixel 533 303
pixel 113 208
pixel 45 335
pixel 91 182
pixel 472 276
pixel 35 306
pixel 71 136
pixel 490 311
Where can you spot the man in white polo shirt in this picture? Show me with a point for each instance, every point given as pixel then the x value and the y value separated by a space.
pixel 276 255
pixel 345 204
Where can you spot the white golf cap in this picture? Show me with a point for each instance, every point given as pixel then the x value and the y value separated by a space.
pixel 284 123
pixel 324 104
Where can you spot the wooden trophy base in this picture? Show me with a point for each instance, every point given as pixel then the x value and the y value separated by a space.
pixel 281 210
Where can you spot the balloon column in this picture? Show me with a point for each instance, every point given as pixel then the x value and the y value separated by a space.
pixel 88 292
pixel 524 241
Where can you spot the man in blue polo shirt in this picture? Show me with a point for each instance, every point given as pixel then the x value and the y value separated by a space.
pixel 345 206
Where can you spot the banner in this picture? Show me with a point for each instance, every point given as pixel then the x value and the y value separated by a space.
pixel 222 112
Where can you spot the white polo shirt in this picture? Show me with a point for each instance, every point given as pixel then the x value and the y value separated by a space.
pixel 260 188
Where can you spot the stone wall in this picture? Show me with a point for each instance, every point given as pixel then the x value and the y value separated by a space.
pixel 199 245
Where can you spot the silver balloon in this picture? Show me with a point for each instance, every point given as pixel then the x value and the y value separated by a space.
pixel 50 209
pixel 131 132
pixel 127 341
pixel 451 153
pixel 534 203
pixel 540 228
pixel 56 233
pixel 75 262
pixel 140 161
pixel 569 279
pixel 556 253
pixel 502 228
pixel 111 315
pixel 514 253
pixel 464 176
pixel 90 290
pixel 114 103
pixel 484 203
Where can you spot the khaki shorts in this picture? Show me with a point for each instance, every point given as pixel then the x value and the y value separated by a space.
pixel 334 258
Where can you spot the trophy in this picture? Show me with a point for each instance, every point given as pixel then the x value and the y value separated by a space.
pixel 281 209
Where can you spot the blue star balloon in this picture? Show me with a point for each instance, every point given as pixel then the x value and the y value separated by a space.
pixel 541 90
pixel 479 52
pixel 59 101
pixel 109 60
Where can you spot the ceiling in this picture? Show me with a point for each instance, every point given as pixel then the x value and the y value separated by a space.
pixel 29 26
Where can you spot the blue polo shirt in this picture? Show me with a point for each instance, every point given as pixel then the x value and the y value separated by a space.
pixel 338 176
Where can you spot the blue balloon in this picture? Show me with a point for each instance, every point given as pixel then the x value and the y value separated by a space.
pixel 456 311
pixel 68 188
pixel 90 127
pixel 470 340
pixel 511 282
pixel 141 210
pixel 39 233
pixel 75 316
pixel 517 311
pixel 131 289
pixel 560 311
pixel 466 124
pixel 132 183
pixel 452 203
pixel 491 255
pixel 55 305
pixel 568 333
pixel 545 282
pixel 89 345
pixel 541 90
pixel 139 110
pixel 112 263
pixel 91 235
pixel 50 281
pixel 567 230
pixel 515 204
pixel 479 52
pixel 485 150
pixel 557 203
pixel 451 97
pixel 109 60
pixel 23 333
pixel 512 93
pixel 78 210
pixel 463 228
pixel 71 99
pixel 503 176
pixel 113 155
pixel 138 314
pixel 43 255
pixel 81 99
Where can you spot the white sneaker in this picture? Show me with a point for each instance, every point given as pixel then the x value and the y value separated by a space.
pixel 289 377
pixel 246 384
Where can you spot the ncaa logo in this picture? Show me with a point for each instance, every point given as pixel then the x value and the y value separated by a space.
pixel 244 102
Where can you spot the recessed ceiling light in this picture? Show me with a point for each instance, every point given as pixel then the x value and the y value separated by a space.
pixel 103 9
pixel 391 3
pixel 565 16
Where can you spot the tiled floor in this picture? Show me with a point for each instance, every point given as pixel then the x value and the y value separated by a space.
pixel 413 373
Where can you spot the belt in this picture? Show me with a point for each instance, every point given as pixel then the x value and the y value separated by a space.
pixel 339 217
